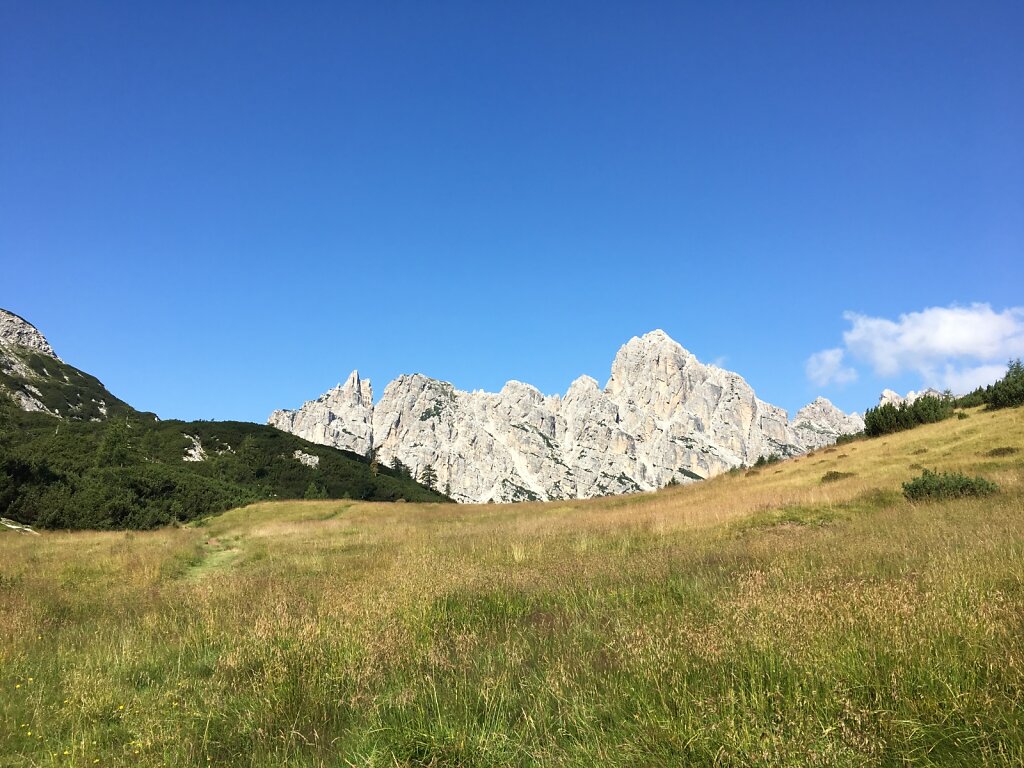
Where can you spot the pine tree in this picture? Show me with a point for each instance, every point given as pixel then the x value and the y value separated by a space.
pixel 428 476
pixel 115 450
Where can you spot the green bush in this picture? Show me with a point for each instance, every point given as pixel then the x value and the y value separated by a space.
pixel 947 485
pixel 1008 392
pixel 832 476
pixel 1005 450
pixel 888 418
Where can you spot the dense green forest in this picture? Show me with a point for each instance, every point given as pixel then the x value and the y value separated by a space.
pixel 103 464
pixel 128 471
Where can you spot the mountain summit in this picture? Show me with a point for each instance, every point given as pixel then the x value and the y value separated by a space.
pixel 17 332
pixel 37 380
pixel 663 416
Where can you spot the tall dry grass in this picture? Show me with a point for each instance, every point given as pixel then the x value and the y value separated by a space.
pixel 755 619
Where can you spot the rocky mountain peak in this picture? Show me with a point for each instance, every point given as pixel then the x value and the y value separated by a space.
pixel 651 346
pixel 357 390
pixel 818 406
pixel 341 416
pixel 820 423
pixel 15 331
pixel 520 390
pixel 894 398
pixel 663 416
pixel 36 379
pixel 582 386
pixel 649 362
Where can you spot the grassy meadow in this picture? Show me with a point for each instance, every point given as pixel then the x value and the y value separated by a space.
pixel 760 618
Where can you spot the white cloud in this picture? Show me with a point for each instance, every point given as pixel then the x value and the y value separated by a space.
pixel 826 367
pixel 958 348
pixel 926 341
pixel 968 379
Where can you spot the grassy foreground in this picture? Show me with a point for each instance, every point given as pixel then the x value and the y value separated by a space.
pixel 757 619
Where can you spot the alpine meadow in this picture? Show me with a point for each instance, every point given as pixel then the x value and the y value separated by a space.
pixel 764 617
pixel 465 384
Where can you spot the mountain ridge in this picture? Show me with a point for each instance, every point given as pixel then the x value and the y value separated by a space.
pixel 663 416
pixel 36 379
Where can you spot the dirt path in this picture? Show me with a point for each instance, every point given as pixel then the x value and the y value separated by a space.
pixel 218 555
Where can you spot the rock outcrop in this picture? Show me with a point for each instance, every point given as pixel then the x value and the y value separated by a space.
pixel 16 332
pixel 342 417
pixel 36 379
pixel 820 423
pixel 663 416
pixel 894 398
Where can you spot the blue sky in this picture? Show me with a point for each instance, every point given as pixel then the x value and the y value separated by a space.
pixel 222 208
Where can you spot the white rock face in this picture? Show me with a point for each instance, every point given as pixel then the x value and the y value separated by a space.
pixel 662 416
pixel 342 417
pixel 306 459
pixel 18 332
pixel 894 398
pixel 194 452
pixel 820 423
pixel 18 336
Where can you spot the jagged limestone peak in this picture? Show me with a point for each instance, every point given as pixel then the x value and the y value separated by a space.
pixel 663 416
pixel 820 423
pixel 16 331
pixel 894 398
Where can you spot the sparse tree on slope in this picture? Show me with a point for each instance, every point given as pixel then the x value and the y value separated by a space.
pixel 428 476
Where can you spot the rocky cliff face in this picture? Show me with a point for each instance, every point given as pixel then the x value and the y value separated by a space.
pixel 662 416
pixel 342 417
pixel 18 333
pixel 36 379
pixel 820 423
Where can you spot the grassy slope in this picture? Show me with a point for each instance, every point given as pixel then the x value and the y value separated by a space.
pixel 765 619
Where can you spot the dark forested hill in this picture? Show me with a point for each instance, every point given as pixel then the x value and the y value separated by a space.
pixel 72 455
pixel 134 471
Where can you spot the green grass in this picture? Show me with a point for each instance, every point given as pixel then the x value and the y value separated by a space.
pixel 947 485
pixel 763 620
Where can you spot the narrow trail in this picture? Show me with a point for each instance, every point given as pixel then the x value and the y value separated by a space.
pixel 217 555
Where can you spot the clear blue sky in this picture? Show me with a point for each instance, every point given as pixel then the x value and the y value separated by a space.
pixel 222 208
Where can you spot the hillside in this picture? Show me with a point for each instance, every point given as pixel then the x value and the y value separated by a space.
pixel 73 455
pixel 765 617
pixel 138 472
pixel 35 379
